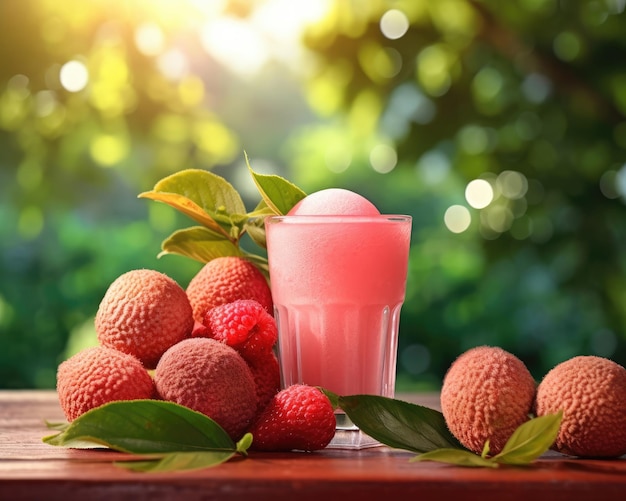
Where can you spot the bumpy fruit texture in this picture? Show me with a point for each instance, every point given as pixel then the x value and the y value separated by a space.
pixel 224 280
pixel 486 394
pixel 99 375
pixel 209 377
pixel 334 201
pixel 143 313
pixel 299 417
pixel 591 392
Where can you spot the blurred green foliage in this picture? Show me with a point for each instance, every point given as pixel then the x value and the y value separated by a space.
pixel 404 101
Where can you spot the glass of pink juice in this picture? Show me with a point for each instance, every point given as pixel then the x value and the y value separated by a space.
pixel 338 284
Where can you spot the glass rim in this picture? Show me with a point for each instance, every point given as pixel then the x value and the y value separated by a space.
pixel 339 218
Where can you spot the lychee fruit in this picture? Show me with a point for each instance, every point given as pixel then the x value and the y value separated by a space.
pixel 224 280
pixel 299 417
pixel 209 377
pixel 99 375
pixel 487 393
pixel 143 313
pixel 591 393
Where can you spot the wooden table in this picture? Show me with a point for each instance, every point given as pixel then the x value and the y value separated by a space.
pixel 30 469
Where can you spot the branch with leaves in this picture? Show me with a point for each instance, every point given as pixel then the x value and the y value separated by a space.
pixel 217 206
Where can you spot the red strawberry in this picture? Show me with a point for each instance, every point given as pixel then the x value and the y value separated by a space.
pixel 244 325
pixel 299 417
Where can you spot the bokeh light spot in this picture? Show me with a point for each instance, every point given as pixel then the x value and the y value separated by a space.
pixel 567 46
pixel 536 87
pixel 415 359
pixel 499 218
pixel 608 184
pixel 488 83
pixel 30 222
pixel 108 150
pixel 173 64
pixel 512 184
pixel 433 167
pixel 433 69
pixel 74 76
pixel 383 158
pixel 474 140
pixel 394 24
pixel 457 218
pixel 479 193
pixel 149 39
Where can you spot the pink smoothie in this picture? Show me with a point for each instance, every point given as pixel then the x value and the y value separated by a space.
pixel 338 283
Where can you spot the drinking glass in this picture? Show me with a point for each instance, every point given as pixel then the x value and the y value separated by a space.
pixel 338 284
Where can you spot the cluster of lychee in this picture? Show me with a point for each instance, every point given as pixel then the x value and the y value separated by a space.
pixel 487 393
pixel 209 347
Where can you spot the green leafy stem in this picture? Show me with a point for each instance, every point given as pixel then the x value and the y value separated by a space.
pixel 219 210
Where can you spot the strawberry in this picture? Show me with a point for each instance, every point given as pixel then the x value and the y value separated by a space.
pixel 224 280
pixel 298 417
pixel 244 325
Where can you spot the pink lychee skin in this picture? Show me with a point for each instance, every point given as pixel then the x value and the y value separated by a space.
pixel 99 375
pixel 486 394
pixel 209 377
pixel 591 393
pixel 143 313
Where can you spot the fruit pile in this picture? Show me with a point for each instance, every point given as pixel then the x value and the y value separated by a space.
pixel 488 392
pixel 209 347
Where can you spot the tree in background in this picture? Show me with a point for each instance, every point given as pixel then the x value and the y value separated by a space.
pixel 508 123
pixel 498 125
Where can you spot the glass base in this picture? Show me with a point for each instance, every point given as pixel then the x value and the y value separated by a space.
pixel 349 437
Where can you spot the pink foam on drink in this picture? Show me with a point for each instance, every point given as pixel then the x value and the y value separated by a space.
pixel 334 202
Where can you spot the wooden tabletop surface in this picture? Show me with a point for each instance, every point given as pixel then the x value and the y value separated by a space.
pixel 31 469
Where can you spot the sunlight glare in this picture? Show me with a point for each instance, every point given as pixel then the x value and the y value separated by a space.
pixel 236 44
pixel 271 32
pixel 149 39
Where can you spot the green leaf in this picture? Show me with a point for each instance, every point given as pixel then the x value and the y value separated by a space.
pixel 333 397
pixel 530 440
pixel 244 444
pixel 59 426
pixel 457 457
pixel 178 461
pixel 485 451
pixel 279 194
pixel 202 195
pixel 145 427
pixel 399 424
pixel 256 230
pixel 199 243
